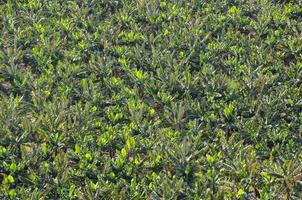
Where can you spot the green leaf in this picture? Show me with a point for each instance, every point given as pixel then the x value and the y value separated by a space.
pixel 8 180
pixel 44 148
pixel 124 152
pixel 13 167
pixel 12 193
pixel 229 110
pixel 240 193
pixel 77 149
pixel 88 156
pixel 233 10
pixel 210 158
pixel 71 191
pixel 130 143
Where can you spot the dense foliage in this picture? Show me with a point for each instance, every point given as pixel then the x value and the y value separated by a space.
pixel 150 99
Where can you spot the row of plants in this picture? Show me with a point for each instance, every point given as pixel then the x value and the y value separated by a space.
pixel 150 99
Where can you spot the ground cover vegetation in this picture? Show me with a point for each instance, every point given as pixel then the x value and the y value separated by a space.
pixel 150 99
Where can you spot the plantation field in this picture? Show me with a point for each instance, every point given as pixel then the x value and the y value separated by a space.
pixel 151 99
